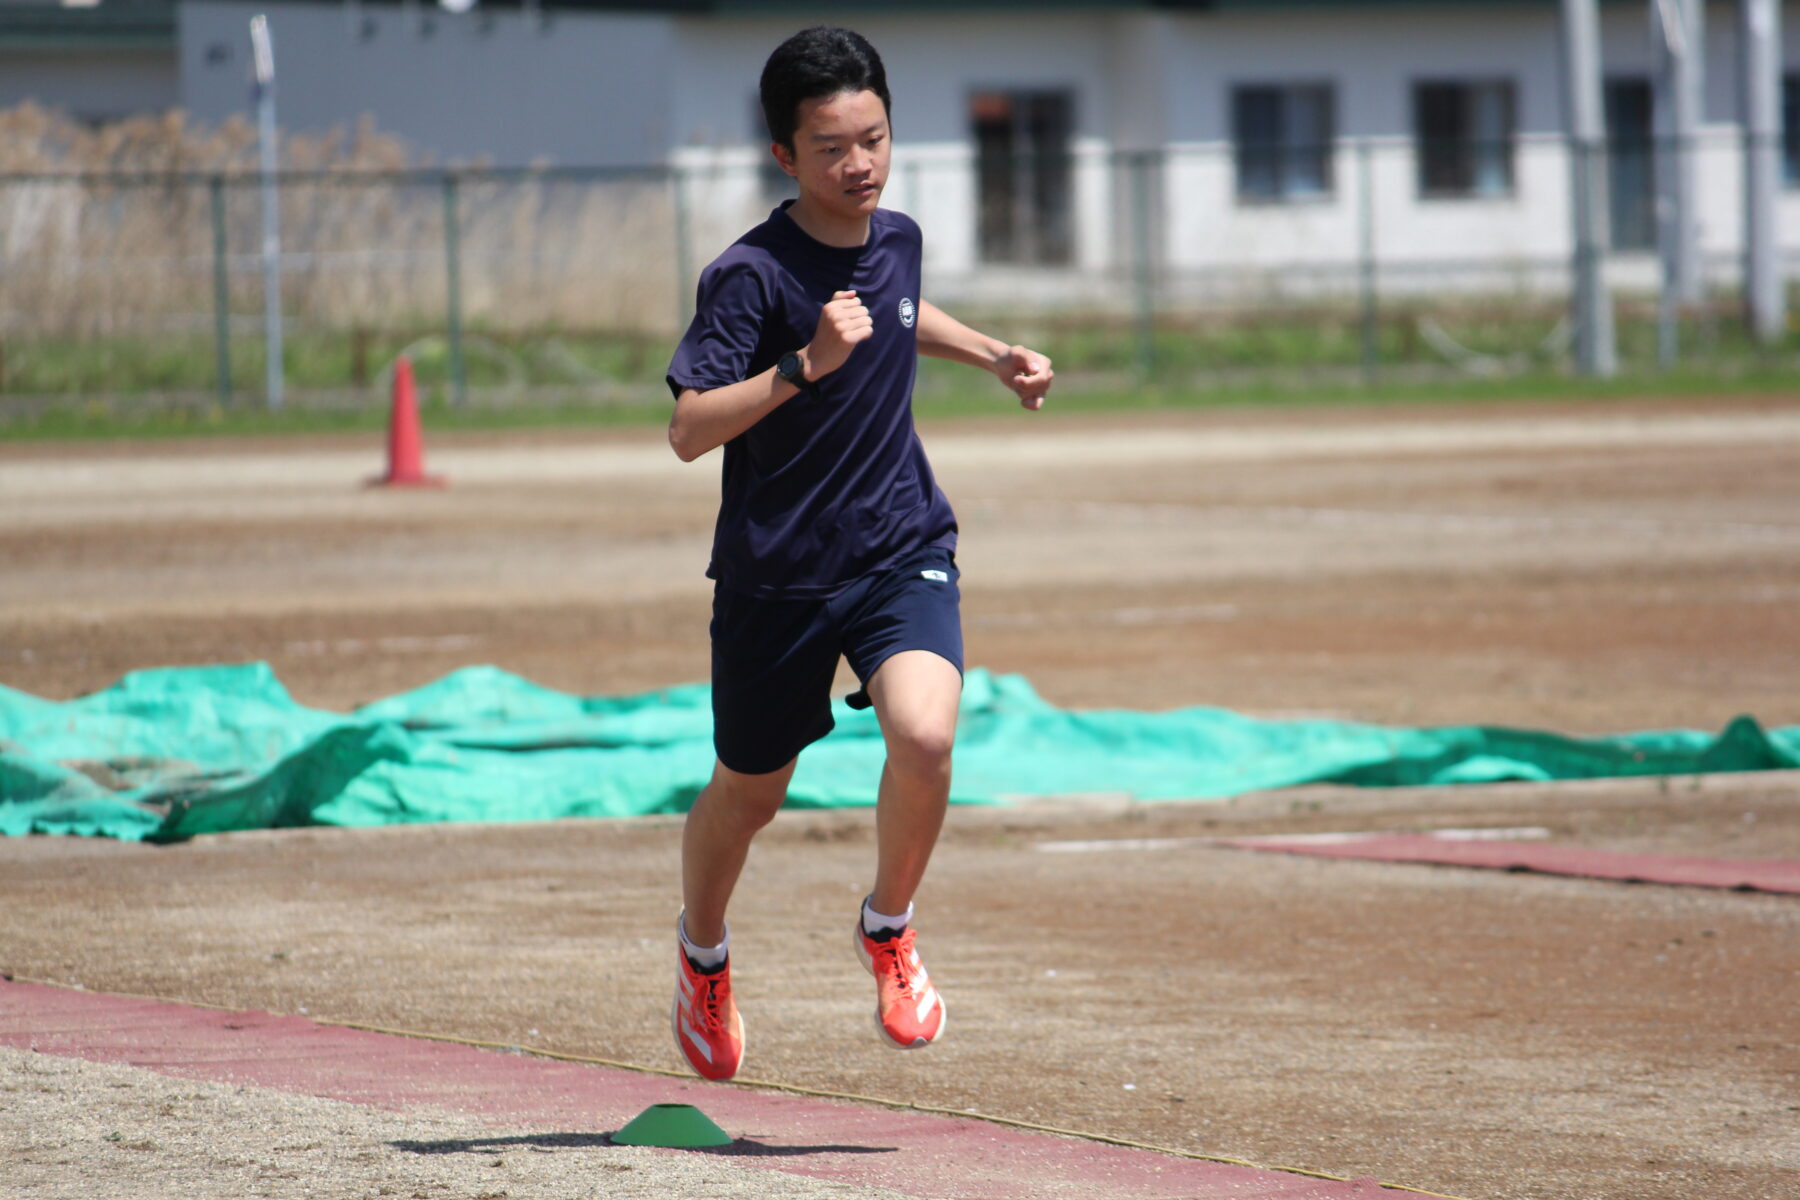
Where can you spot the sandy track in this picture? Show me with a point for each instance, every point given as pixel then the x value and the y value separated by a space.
pixel 1582 569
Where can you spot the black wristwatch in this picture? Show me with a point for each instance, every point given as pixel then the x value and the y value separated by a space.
pixel 792 369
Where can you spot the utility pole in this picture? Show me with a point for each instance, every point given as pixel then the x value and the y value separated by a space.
pixel 264 53
pixel 1596 351
pixel 1675 34
pixel 1765 294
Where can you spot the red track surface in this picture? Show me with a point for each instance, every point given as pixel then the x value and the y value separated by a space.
pixel 916 1153
pixel 1759 875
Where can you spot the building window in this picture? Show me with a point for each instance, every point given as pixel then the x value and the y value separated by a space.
pixel 1465 138
pixel 1282 136
pixel 1631 163
pixel 1023 173
pixel 1790 130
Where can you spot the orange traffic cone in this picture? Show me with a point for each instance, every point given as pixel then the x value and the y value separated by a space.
pixel 406 442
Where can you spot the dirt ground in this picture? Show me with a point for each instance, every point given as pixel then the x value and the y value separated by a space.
pixel 1584 569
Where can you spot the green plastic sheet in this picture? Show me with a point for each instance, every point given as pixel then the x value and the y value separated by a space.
pixel 172 753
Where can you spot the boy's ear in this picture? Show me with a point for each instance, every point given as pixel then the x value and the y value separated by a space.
pixel 784 158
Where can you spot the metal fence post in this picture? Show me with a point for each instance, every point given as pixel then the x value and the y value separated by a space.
pixel 1366 280
pixel 1759 32
pixel 1144 284
pixel 267 138
pixel 1668 295
pixel 1590 157
pixel 221 292
pixel 459 382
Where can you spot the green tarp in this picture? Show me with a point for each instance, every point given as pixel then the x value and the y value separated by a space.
pixel 171 753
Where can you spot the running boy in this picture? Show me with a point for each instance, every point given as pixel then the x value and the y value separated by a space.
pixel 832 538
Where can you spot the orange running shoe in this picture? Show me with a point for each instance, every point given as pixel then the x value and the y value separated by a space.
pixel 908 1010
pixel 705 1020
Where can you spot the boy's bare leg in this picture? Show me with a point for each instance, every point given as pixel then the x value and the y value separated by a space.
pixel 716 840
pixel 916 694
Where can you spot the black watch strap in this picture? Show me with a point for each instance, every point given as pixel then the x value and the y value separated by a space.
pixel 792 369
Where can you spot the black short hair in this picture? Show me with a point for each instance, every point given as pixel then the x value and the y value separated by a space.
pixel 822 61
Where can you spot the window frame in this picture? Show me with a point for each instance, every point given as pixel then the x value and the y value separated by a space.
pixel 1282 151
pixel 1630 162
pixel 1036 182
pixel 1465 144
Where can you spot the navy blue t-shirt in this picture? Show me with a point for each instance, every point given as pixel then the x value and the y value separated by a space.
pixel 827 487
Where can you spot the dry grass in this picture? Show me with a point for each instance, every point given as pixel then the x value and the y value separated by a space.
pixel 111 230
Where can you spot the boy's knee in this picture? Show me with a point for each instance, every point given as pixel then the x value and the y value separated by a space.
pixel 923 747
pixel 751 801
pixel 917 693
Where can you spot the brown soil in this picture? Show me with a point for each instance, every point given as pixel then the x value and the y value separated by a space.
pixel 1580 569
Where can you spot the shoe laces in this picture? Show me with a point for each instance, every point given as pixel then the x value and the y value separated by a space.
pixel 710 999
pixel 894 958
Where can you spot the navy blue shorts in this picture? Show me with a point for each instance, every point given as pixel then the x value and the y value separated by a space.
pixel 773 661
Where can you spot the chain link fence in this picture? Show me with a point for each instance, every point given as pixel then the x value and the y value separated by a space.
pixel 1361 259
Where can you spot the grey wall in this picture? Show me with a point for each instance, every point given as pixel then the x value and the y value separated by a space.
pixel 91 85
pixel 934 61
pixel 501 87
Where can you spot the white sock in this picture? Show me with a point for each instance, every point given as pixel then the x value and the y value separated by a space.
pixel 874 922
pixel 702 956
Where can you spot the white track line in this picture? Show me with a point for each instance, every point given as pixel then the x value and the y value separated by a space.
pixel 1521 833
pixel 399 645
pixel 1188 514
pixel 1332 438
pixel 1143 614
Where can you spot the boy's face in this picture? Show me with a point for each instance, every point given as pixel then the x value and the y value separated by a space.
pixel 840 155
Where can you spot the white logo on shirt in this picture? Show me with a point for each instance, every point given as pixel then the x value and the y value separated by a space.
pixel 908 311
pixel 936 576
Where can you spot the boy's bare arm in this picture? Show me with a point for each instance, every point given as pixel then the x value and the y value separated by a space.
pixel 704 420
pixel 1025 371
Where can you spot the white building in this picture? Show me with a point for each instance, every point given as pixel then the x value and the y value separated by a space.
pixel 1278 140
